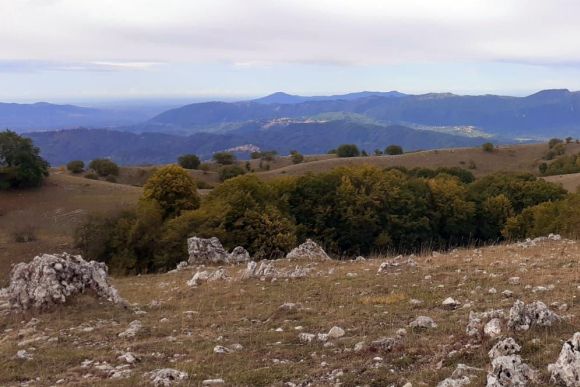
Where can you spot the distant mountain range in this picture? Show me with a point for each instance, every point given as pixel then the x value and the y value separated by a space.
pixel 59 147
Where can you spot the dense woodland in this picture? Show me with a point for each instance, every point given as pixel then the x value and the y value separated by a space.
pixel 350 211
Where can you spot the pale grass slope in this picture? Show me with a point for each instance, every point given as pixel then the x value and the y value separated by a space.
pixel 182 325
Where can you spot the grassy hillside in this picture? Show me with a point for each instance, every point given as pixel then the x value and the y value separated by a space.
pixel 49 215
pixel 182 325
pixel 571 182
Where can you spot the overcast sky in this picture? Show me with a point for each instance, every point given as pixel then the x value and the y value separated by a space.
pixel 107 49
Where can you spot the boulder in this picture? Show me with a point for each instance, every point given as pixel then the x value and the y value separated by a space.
pixel 450 303
pixel 510 371
pixel 504 347
pixel 522 317
pixel 203 251
pixel 166 377
pixel 308 250
pixel 267 270
pixel 477 321
pixel 566 370
pixel 462 376
pixel 239 255
pixel 492 328
pixel 52 279
pixel 423 322
pixel 206 276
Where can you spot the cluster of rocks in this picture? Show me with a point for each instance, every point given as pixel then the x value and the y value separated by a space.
pixel 507 367
pixel 566 370
pixel 333 333
pixel 397 262
pixel 52 279
pixel 462 376
pixel 201 277
pixel 166 376
pixel 534 242
pixel 204 251
pixel 308 250
pixel 267 271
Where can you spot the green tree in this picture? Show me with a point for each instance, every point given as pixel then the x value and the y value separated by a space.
pixel 347 150
pixel 20 162
pixel 173 189
pixel 394 150
pixel 75 166
pixel 104 167
pixel 230 171
pixel 189 161
pixel 296 157
pixel 488 147
pixel 224 158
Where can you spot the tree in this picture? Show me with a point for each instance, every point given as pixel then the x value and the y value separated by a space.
pixel 229 171
pixel 189 161
pixel 104 167
pixel 348 150
pixel 224 158
pixel 378 152
pixel 76 166
pixel 553 142
pixel 20 162
pixel 488 147
pixel 296 157
pixel 173 189
pixel 394 150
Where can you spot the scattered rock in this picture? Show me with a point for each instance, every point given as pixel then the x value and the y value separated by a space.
pixel 213 382
pixel 510 371
pixel 267 270
pixel 460 377
pixel 396 262
pixel 166 376
pixel 450 303
pixel 128 358
pixel 51 279
pixel 385 344
pixel 203 251
pixel 492 328
pixel 134 327
pixel 566 370
pixel 522 317
pixel 335 332
pixel 308 250
pixel 477 321
pixel 24 355
pixel 504 347
pixel 239 255
pixel 220 349
pixel 423 322
pixel 206 276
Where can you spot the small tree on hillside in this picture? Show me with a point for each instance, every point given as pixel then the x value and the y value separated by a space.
pixel 224 158
pixel 173 189
pixel 488 147
pixel 20 162
pixel 104 167
pixel 76 166
pixel 394 150
pixel 189 161
pixel 347 150
pixel 230 171
pixel 296 157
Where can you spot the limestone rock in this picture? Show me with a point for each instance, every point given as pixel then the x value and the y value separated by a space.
pixel 308 250
pixel 460 377
pixel 166 376
pixel 504 347
pixel 135 327
pixel 566 370
pixel 450 303
pixel 335 332
pixel 52 279
pixel 206 276
pixel 203 251
pixel 396 262
pixel 492 328
pixel 239 255
pixel 510 371
pixel 477 321
pixel 267 270
pixel 385 344
pixel 423 322
pixel 522 317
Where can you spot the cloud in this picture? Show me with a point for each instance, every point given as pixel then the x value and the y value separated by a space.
pixel 364 32
pixel 27 66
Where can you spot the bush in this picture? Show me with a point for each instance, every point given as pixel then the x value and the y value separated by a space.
pixel 20 163
pixel 189 161
pixel 76 166
pixel 488 147
pixel 104 167
pixel 24 234
pixel 347 150
pixel 224 158
pixel 230 171
pixel 394 150
pixel 111 179
pixel 92 176
pixel 296 157
pixel 553 142
pixel 173 189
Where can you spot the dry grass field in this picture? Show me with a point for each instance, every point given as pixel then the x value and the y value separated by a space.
pixel 571 182
pixel 44 219
pixel 182 325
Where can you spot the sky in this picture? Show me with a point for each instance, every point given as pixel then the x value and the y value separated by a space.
pixel 95 50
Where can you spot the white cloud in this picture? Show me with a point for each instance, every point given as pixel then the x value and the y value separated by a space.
pixel 135 33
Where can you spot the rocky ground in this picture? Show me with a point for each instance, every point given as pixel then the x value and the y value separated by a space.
pixel 405 321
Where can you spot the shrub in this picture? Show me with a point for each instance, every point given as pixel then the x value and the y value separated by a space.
pixel 104 167
pixel 347 150
pixel 173 189
pixel 488 147
pixel 224 158
pixel 76 166
pixel 230 171
pixel 189 161
pixel 92 176
pixel 394 150
pixel 24 234
pixel 20 163
pixel 557 150
pixel 296 157
pixel 111 179
pixel 553 142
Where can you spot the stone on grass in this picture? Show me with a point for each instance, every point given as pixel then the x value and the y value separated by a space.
pixel 523 317
pixel 135 327
pixel 450 303
pixel 385 344
pixel 492 328
pixel 309 250
pixel 203 251
pixel 398 261
pixel 166 377
pixel 206 276
pixel 505 347
pixel 239 255
pixel 510 371
pixel 52 279
pixel 566 370
pixel 267 270
pixel 213 382
pixel 335 332
pixel 462 376
pixel 423 322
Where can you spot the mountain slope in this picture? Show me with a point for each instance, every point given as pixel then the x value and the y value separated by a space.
pixel 283 98
pixel 544 114
pixel 60 147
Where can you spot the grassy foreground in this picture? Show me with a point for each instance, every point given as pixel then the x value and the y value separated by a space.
pixel 182 325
